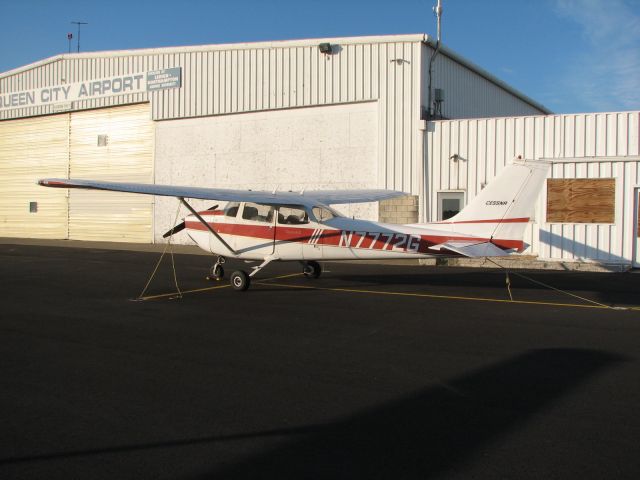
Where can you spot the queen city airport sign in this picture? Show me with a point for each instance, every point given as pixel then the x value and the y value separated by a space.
pixel 92 89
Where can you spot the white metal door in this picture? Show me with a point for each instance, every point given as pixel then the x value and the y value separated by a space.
pixel 636 236
pixel 31 149
pixel 111 144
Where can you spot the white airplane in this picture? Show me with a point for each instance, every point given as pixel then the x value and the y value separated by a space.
pixel 290 226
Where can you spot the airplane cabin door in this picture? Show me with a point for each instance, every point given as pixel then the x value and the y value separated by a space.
pixel 292 232
pixel 255 231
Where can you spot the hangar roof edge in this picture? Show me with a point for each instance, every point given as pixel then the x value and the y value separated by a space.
pixel 416 37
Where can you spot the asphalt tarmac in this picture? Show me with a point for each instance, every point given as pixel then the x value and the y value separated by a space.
pixel 371 371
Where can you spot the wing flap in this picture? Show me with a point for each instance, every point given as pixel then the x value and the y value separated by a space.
pixel 472 249
pixel 309 198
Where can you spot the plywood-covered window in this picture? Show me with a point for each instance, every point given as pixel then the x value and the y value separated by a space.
pixel 581 200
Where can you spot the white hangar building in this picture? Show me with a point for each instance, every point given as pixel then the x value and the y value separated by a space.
pixel 326 113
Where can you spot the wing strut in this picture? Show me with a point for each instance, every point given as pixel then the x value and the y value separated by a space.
pixel 209 227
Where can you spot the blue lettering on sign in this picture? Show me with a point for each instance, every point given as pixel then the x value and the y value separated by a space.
pixel 84 90
pixel 21 99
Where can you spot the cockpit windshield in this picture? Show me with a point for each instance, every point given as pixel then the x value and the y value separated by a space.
pixel 231 210
pixel 324 214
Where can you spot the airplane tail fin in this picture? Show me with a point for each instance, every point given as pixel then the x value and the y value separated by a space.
pixel 502 210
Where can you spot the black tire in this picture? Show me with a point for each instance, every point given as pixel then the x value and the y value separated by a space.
pixel 312 269
pixel 240 281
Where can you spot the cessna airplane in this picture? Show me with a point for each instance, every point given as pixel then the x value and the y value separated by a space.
pixel 302 226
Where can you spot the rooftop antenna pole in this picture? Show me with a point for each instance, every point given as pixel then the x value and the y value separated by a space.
pixel 69 37
pixel 79 23
pixel 438 11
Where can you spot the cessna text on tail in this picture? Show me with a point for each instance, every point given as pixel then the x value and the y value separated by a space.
pixel 286 226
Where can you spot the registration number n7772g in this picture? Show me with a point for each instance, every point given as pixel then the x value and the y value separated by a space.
pixel 379 240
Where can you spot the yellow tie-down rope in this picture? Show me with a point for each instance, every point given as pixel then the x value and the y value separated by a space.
pixel 542 284
pixel 169 245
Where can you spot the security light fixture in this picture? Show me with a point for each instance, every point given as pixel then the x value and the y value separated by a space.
pixel 325 48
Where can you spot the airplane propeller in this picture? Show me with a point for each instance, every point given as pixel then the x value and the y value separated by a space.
pixel 179 227
pixel 176 229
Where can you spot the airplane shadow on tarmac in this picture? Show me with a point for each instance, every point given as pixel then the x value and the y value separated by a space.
pixel 433 430
pixel 418 436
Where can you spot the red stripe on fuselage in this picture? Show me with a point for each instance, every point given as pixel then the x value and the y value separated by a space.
pixel 504 220
pixel 211 212
pixel 391 241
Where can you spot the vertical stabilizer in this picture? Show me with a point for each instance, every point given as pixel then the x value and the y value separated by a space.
pixel 502 210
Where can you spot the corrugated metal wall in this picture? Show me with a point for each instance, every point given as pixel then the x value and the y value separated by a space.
pixel 126 156
pixel 603 145
pixel 467 94
pixel 31 149
pixel 59 146
pixel 65 70
pixel 227 79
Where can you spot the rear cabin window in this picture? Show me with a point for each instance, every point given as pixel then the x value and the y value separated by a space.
pixel 258 213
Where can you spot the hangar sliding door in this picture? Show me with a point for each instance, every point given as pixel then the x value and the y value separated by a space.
pixel 31 149
pixel 113 144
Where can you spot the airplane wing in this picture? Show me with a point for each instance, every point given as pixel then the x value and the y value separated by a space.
pixel 472 249
pixel 309 197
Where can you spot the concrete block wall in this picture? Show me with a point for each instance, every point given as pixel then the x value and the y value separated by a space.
pixel 330 148
pixel 399 210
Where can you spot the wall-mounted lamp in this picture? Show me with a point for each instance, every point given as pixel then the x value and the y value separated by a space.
pixel 455 157
pixel 325 48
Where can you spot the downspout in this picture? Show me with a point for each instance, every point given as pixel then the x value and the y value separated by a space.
pixel 425 168
pixel 438 11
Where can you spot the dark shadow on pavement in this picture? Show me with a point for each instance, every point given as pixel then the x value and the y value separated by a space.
pixel 433 430
pixel 420 436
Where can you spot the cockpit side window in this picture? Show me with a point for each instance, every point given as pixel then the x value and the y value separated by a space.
pixel 231 209
pixel 257 213
pixel 292 216
pixel 323 214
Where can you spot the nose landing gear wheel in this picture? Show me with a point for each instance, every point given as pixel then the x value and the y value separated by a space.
pixel 217 272
pixel 312 269
pixel 240 281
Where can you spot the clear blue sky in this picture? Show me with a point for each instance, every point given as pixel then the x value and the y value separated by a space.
pixel 569 55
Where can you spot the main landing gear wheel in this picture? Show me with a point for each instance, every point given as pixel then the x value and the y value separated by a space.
pixel 240 281
pixel 312 269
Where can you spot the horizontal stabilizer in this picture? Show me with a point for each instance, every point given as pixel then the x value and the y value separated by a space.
pixel 472 249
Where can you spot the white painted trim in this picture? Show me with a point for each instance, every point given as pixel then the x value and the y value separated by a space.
pixel 629 158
